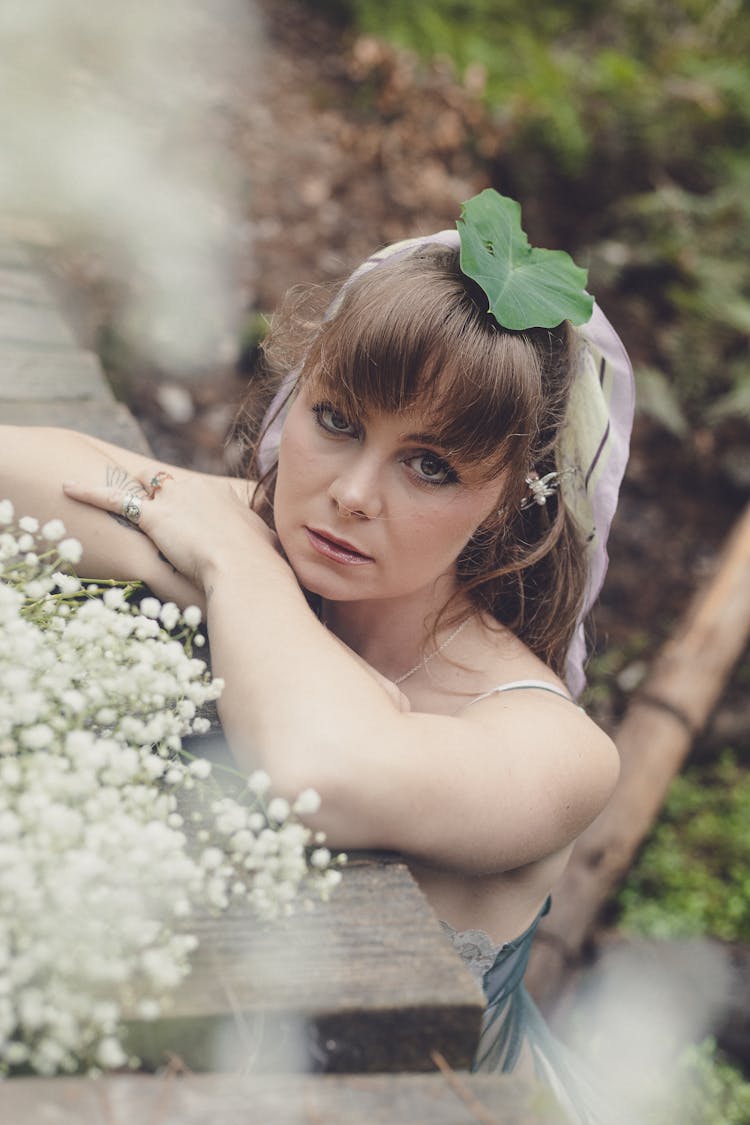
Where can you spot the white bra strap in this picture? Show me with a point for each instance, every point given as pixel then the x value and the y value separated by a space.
pixel 514 685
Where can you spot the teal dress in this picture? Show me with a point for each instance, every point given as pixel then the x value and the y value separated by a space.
pixel 512 1021
pixel 510 1011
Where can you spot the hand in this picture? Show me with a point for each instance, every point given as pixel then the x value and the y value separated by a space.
pixel 193 519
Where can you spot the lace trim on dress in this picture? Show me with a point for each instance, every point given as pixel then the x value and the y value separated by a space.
pixel 476 947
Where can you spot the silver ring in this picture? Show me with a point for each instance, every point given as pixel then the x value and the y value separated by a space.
pixel 132 508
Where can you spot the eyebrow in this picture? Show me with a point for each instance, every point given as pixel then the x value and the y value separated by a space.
pixel 422 439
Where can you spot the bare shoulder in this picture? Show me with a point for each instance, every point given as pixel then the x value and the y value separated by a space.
pixel 581 761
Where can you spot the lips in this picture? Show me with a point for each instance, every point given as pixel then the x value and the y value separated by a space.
pixel 337 549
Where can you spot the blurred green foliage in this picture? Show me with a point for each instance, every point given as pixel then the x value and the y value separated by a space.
pixel 709 1091
pixel 627 140
pixel 692 875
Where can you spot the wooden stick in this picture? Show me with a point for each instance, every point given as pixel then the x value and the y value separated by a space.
pixel 473 1104
pixel 687 678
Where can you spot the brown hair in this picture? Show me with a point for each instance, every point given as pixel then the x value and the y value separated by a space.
pixel 416 329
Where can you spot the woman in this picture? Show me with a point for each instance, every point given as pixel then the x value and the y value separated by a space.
pixel 397 605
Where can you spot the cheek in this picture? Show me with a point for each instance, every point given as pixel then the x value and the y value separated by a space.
pixel 295 456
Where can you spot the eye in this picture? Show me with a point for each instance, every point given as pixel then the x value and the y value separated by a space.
pixel 431 469
pixel 332 420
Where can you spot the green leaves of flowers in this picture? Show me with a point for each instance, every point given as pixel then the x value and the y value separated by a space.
pixel 526 287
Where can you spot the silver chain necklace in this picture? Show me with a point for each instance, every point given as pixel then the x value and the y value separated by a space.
pixel 426 659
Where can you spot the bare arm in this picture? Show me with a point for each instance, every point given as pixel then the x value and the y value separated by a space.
pixel 34 461
pixel 500 786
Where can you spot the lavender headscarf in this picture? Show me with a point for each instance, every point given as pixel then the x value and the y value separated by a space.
pixel 593 447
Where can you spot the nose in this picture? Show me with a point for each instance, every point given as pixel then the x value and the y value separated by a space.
pixel 356 490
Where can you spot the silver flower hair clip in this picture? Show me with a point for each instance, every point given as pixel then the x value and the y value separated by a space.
pixel 541 488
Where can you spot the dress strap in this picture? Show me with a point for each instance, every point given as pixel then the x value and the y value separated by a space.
pixel 516 685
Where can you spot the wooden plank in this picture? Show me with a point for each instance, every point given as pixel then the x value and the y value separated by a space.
pixel 22 322
pixel 109 421
pixel 21 284
pixel 366 982
pixel 28 375
pixel 227 1099
pixel 13 254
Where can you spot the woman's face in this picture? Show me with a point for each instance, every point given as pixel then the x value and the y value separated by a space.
pixel 369 507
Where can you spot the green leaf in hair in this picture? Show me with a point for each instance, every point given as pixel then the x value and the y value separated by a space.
pixel 526 287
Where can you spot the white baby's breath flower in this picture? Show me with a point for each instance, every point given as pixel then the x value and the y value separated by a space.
pixel 278 809
pixel 114 598
pixel 53 530
pixel 37 737
pixel 200 768
pixel 70 550
pixel 169 615
pixel 321 857
pixel 212 858
pixel 149 1009
pixel 28 523
pixel 192 616
pixel 307 803
pixel 66 583
pixel 98 864
pixel 259 782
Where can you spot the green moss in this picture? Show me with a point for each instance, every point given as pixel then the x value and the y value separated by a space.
pixel 692 875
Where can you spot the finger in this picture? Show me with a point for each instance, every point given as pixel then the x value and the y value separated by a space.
pixel 120 502
pixel 156 481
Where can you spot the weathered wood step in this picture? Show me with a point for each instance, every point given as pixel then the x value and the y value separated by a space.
pixel 366 982
pixel 111 421
pixel 404 1099
pixel 44 375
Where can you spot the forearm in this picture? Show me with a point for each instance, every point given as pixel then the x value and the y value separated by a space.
pixel 296 701
pixel 33 464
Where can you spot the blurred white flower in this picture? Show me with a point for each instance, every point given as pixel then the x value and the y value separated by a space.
pixel 70 550
pixel 259 782
pixel 278 810
pixel 53 530
pixel 307 803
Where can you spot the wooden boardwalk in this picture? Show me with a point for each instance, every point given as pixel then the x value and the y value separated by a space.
pixel 46 379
